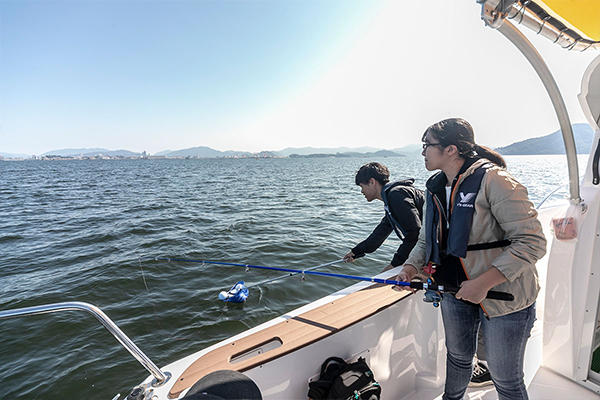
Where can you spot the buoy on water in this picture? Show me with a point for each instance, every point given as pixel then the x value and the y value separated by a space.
pixel 237 294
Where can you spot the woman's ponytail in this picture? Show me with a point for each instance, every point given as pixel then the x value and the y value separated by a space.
pixel 458 132
pixel 493 156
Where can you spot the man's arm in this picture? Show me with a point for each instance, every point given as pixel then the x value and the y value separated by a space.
pixel 410 240
pixel 375 239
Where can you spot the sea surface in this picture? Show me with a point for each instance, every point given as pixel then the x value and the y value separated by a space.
pixel 91 230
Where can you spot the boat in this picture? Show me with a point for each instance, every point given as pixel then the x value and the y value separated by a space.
pixel 399 335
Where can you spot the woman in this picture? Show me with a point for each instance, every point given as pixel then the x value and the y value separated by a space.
pixel 481 232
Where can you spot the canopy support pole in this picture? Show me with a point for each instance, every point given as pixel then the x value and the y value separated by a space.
pixel 537 62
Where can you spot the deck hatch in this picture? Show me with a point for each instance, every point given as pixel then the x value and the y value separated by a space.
pixel 256 350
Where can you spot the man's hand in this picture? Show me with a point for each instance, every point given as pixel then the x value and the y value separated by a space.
pixel 349 257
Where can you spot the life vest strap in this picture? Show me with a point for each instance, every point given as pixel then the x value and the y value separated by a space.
pixel 490 245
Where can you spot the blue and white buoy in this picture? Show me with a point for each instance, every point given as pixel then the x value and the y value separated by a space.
pixel 237 294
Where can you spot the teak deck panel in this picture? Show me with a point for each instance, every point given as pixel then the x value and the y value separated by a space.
pixel 294 333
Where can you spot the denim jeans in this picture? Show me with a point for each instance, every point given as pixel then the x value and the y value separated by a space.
pixel 505 338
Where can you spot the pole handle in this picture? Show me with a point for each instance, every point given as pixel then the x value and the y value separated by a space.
pixel 492 294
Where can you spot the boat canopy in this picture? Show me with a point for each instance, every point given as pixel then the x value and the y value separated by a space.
pixel 573 24
pixel 581 16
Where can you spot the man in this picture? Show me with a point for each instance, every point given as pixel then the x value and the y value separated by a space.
pixel 403 205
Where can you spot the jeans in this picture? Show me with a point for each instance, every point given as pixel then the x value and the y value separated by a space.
pixel 505 338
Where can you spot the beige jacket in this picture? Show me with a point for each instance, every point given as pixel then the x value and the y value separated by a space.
pixel 502 211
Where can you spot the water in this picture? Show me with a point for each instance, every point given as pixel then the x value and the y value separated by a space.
pixel 76 230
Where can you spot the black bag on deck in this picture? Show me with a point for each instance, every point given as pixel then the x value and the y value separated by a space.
pixel 342 381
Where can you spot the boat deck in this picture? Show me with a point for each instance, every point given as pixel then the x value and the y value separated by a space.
pixel 290 335
pixel 546 385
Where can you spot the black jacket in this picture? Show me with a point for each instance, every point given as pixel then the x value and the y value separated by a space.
pixel 405 203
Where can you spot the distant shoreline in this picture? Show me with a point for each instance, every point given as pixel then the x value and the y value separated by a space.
pixel 310 156
pixel 583 135
pixel 60 158
pixel 379 154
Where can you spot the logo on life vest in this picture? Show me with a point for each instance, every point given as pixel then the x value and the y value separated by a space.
pixel 465 199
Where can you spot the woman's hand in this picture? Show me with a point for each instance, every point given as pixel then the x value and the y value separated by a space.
pixel 471 291
pixel 406 274
pixel 475 290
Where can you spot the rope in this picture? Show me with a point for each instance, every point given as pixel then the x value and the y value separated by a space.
pixel 293 274
pixel 143 276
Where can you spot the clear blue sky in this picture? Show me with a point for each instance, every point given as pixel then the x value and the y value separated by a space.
pixel 98 69
pixel 241 75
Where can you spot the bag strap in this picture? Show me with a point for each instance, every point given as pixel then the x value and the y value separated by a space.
pixel 336 360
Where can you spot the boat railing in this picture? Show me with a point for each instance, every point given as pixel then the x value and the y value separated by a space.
pixel 159 377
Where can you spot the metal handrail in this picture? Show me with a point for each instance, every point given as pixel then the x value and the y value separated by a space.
pixel 541 203
pixel 160 377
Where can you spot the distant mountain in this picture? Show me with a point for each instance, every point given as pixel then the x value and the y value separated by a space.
pixel 231 153
pixel 207 152
pixel 386 153
pixel 90 153
pixel 409 149
pixel 115 153
pixel 201 152
pixel 304 151
pixel 348 154
pixel 552 143
pixel 72 152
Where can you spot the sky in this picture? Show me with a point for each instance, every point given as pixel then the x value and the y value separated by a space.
pixel 264 75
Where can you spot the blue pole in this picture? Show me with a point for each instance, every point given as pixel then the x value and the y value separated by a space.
pixel 296 271
pixel 415 285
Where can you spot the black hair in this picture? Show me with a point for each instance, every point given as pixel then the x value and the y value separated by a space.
pixel 458 132
pixel 374 170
